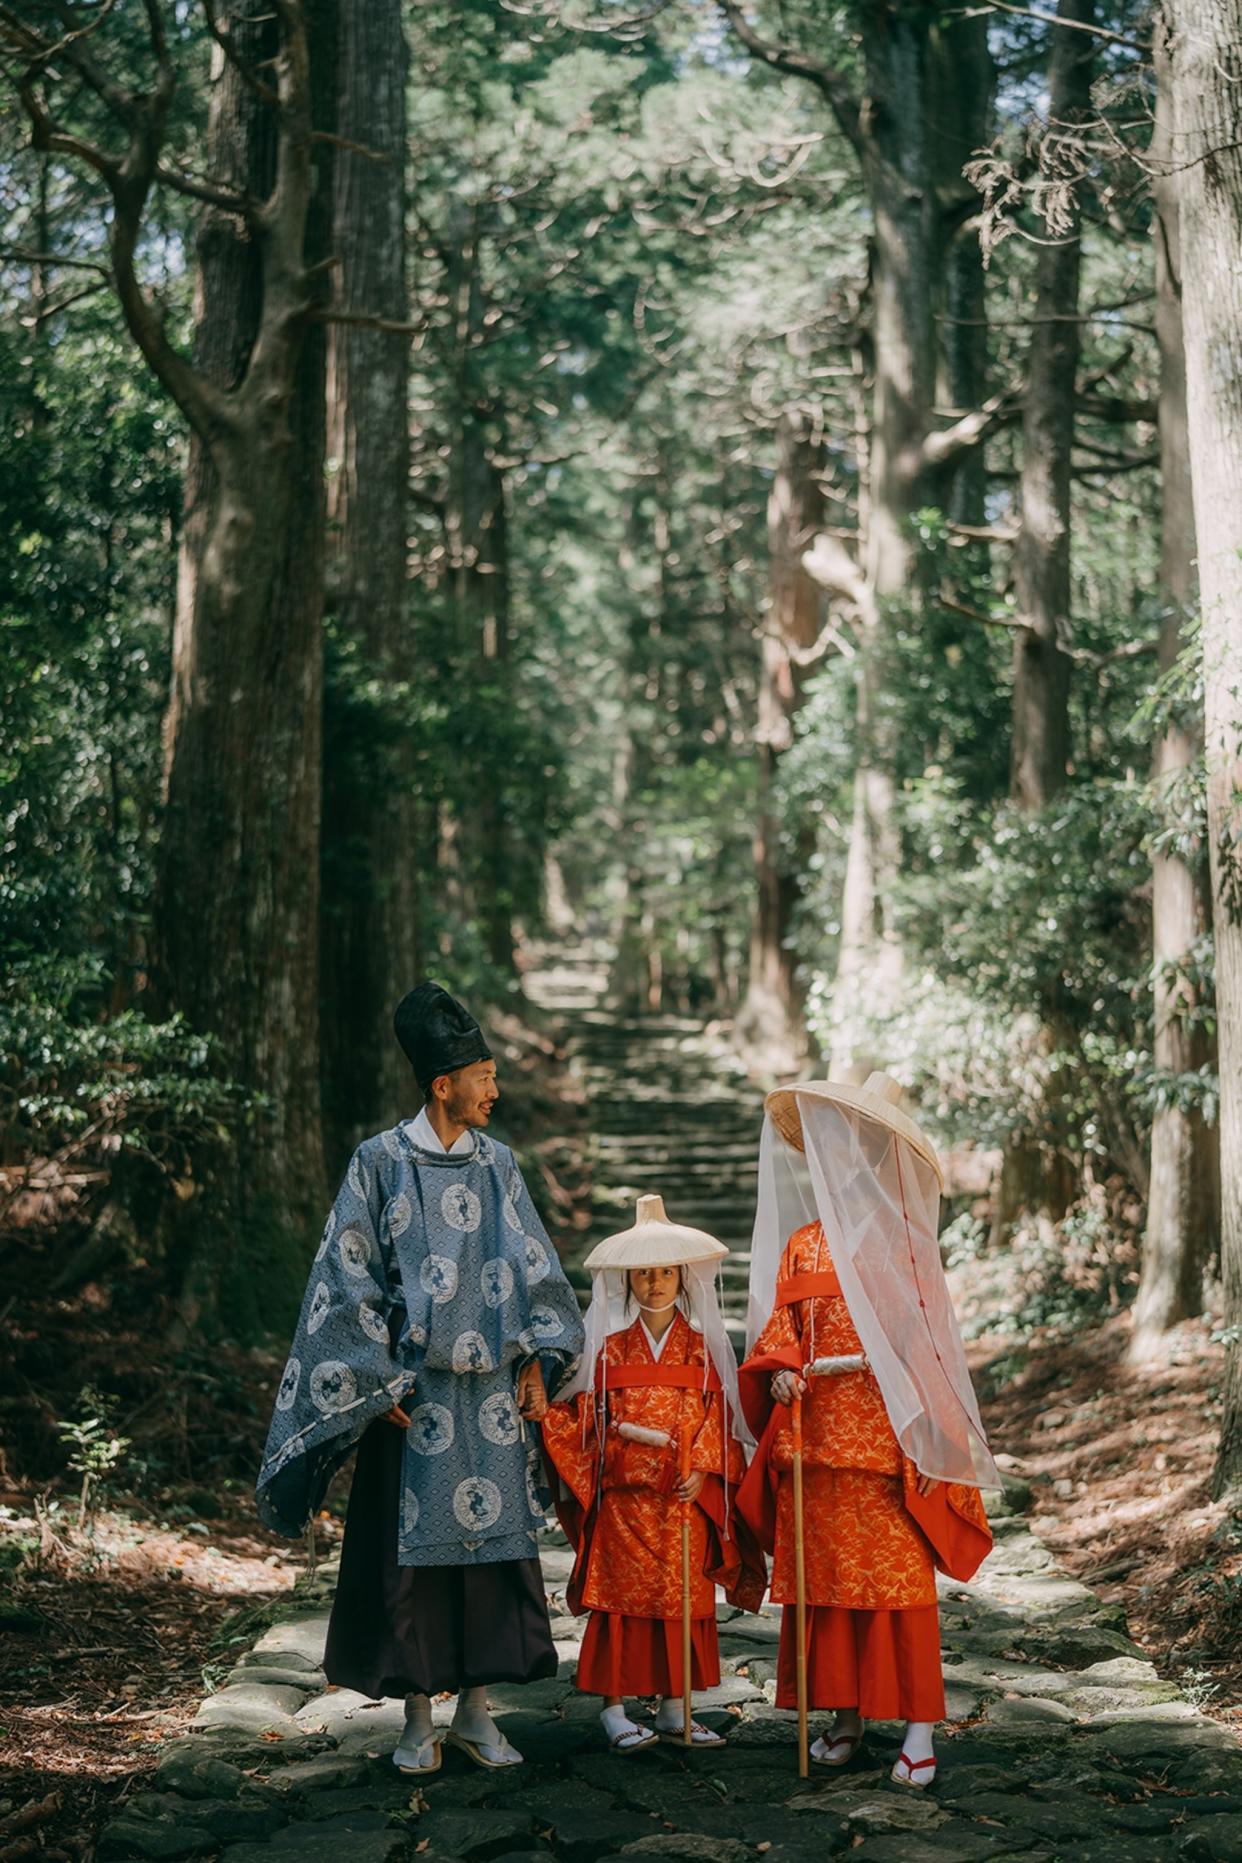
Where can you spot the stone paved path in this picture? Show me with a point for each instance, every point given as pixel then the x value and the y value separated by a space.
pixel 1062 1744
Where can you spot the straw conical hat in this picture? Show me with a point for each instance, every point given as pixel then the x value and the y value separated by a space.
pixel 879 1098
pixel 654 1242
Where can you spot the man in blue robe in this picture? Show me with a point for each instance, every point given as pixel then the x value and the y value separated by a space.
pixel 435 1322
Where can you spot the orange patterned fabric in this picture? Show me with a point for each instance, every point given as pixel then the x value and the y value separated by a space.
pixel 629 1542
pixel 844 1422
pixel 862 1551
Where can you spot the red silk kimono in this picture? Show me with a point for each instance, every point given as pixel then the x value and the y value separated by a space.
pixel 872 1543
pixel 626 1527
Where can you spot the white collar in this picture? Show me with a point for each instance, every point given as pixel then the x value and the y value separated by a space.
pixel 423 1134
pixel 657 1345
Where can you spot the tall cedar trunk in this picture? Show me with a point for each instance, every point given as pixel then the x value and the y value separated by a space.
pixel 237 899
pixel 770 1021
pixel 902 154
pixel 635 978
pixel 906 239
pixel 1034 1180
pixel 477 549
pixel 1207 55
pixel 1041 669
pixel 1182 1204
pixel 964 78
pixel 371 827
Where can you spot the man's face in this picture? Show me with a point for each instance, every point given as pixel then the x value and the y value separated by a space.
pixel 468 1095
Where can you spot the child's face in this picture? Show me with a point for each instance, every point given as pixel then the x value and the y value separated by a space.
pixel 655 1287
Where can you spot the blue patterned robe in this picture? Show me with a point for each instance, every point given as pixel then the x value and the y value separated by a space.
pixel 436 1278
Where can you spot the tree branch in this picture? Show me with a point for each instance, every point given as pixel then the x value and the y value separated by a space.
pixel 827 80
pixel 1051 19
pixel 948 446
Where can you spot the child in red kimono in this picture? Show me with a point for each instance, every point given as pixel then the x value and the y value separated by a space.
pixel 881 1511
pixel 648 1434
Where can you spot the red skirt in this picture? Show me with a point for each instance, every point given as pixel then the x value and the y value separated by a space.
pixel 642 1655
pixel 884 1663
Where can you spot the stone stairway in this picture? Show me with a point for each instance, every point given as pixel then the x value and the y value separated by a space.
pixel 669 1108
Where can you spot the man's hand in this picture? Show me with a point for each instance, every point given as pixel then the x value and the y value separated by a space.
pixel 786 1385
pixel 532 1398
pixel 397 1415
pixel 925 1483
pixel 690 1486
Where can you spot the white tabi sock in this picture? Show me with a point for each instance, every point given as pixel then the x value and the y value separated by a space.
pixel 670 1717
pixel 415 1753
pixel 616 1722
pixel 472 1718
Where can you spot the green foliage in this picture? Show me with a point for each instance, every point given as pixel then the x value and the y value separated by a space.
pixel 96 1447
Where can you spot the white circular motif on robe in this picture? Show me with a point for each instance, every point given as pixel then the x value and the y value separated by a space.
pixel 391 1141
pixel 438 1276
pixel 332 1386
pixel 359 1182
pixel 477 1502
pixel 498 1419
pixel 532 1493
pixel 398 1214
pixel 545 1323
pixel 537 1264
pixel 511 1216
pixel 460 1208
pixel 289 1385
pixel 409 1510
pixel 320 1302
pixel 484 1149
pixel 373 1323
pixel 431 1429
pixel 470 1353
pixel 416 1334
pixel 329 1230
pixel 496 1281
pixel 354 1249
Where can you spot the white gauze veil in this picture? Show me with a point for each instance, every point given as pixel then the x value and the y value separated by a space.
pixel 878 1199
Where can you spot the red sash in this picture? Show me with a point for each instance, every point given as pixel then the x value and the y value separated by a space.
pixel 674 1377
pixel 797 1287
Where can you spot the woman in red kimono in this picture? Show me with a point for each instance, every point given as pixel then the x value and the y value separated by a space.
pixel 861 1330
pixel 647 1431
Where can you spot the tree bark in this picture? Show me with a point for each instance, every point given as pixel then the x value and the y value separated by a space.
pixel 1041 670
pixel 237 905
pixel 770 1022
pixel 1207 54
pixel 1182 1201
pixel 1035 1180
pixel 371 828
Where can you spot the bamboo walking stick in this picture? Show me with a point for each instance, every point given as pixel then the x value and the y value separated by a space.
pixel 687 1734
pixel 804 1761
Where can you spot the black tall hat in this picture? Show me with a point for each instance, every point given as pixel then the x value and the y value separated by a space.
pixel 438 1033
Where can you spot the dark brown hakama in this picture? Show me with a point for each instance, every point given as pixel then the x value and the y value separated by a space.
pixel 402 1629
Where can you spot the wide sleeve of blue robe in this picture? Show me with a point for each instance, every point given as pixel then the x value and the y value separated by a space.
pixel 343 1371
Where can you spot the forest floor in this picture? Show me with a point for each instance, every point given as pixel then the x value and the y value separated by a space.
pixel 1121 1459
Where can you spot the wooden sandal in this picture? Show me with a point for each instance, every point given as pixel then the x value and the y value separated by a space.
pixel 633 1740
